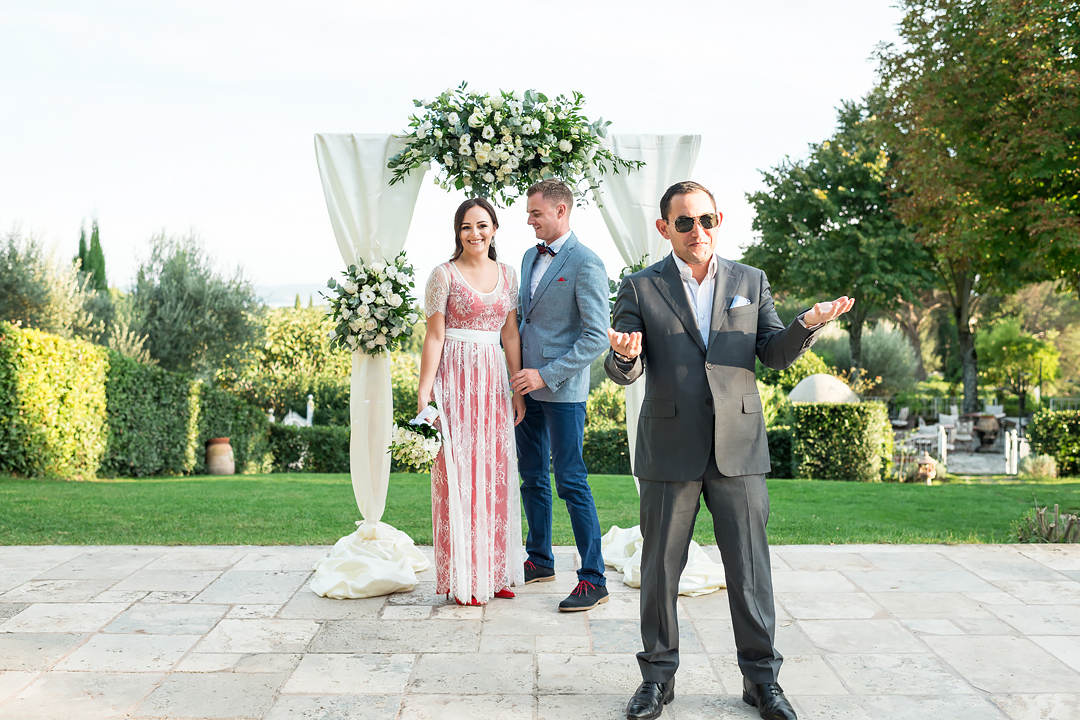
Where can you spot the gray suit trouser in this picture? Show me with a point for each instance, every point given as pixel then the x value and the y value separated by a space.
pixel 740 510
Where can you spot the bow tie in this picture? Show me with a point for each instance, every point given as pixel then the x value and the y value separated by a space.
pixel 542 248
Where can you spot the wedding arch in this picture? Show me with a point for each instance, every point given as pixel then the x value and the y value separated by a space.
pixel 371 182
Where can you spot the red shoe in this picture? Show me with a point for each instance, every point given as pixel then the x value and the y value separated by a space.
pixel 506 594
pixel 473 602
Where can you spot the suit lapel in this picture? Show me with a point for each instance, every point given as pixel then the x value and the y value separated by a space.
pixel 553 269
pixel 671 288
pixel 723 294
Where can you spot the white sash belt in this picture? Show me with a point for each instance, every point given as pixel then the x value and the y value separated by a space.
pixel 480 337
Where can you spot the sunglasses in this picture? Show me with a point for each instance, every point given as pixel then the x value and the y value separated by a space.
pixel 686 224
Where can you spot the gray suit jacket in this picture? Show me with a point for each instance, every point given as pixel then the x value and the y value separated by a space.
pixel 697 395
pixel 564 324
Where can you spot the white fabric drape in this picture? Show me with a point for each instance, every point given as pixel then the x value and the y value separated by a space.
pixel 370 219
pixel 630 204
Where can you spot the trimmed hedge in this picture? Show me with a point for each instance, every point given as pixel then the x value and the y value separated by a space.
pixel 780 441
pixel 1057 433
pixel 72 409
pixel 605 450
pixel 842 441
pixel 52 404
pixel 318 449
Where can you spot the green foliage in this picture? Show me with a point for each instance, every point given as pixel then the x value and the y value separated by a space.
pixel 780 451
pixel 1057 433
pixel 197 321
pixel 95 261
pixel 72 409
pixel 1042 467
pixel 404 383
pixel 826 227
pixel 842 441
pixel 606 405
pixel 311 449
pixel 775 406
pixel 52 404
pixel 1014 360
pixel 39 293
pixel 809 363
pixel 886 354
pixel 605 449
pixel 1037 526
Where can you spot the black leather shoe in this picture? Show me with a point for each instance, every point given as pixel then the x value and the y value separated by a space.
pixel 535 573
pixel 769 699
pixel 649 700
pixel 585 596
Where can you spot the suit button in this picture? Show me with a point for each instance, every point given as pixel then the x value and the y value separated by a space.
pixel 708 366
pixel 708 401
pixel 527 321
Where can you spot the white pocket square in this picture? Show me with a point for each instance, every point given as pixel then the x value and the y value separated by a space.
pixel 738 301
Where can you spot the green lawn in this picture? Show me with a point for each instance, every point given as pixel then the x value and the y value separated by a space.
pixel 318 509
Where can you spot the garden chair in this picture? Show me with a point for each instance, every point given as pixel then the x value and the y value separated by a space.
pixel 964 435
pixel 947 421
pixel 997 411
pixel 900 422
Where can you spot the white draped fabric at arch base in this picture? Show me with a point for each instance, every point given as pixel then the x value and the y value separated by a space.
pixel 630 204
pixel 371 219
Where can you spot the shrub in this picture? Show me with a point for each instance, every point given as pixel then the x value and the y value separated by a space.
pixel 310 449
pixel 886 353
pixel 1058 528
pixel 1057 433
pixel 605 450
pixel 775 405
pixel 404 383
pixel 809 363
pixel 780 442
pixel 52 404
pixel 606 405
pixel 1038 466
pixel 222 414
pixel 842 441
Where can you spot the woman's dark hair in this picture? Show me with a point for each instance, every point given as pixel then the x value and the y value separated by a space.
pixel 459 218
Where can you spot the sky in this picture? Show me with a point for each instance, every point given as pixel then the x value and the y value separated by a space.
pixel 198 117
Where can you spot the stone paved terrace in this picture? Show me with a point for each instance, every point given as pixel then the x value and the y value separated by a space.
pixel 878 631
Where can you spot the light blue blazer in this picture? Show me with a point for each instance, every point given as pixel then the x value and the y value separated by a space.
pixel 564 324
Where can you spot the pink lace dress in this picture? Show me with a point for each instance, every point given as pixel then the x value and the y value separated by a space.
pixel 474 493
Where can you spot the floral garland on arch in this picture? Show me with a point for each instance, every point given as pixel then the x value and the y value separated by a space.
pixel 373 306
pixel 497 146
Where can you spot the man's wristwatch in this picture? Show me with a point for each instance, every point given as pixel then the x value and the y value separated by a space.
pixel 622 358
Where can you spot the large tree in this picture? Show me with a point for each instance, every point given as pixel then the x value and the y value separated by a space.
pixel 983 109
pixel 827 229
pixel 196 319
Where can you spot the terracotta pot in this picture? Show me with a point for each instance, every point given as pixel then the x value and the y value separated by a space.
pixel 219 457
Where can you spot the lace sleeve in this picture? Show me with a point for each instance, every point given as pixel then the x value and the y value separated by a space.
pixel 438 289
pixel 511 286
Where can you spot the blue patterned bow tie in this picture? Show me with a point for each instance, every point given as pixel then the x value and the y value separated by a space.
pixel 542 248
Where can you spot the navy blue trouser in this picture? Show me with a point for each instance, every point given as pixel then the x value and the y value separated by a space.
pixel 551 434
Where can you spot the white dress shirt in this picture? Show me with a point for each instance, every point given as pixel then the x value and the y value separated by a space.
pixel 700 294
pixel 543 262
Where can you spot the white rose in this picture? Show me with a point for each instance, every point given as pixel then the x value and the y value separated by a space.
pixel 386 288
pixel 464 139
pixel 370 324
pixel 346 313
pixel 549 116
pixel 363 311
pixel 497 117
pixel 497 102
pixel 543 151
pixel 356 324
pixel 380 313
pixel 421 132
pixel 367 297
pixel 489 178
pixel 488 132
pixel 395 331
pixel 453 118
pixel 465 150
pixel 481 156
pixel 476 119
pixel 507 139
pixel 438 133
pixel 380 339
pixel 378 266
pixel 370 344
pixel 566 145
pixel 395 300
pixel 349 286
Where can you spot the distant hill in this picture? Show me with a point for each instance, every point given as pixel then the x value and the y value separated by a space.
pixel 285 295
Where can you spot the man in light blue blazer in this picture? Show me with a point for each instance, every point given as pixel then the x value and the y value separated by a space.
pixel 564 320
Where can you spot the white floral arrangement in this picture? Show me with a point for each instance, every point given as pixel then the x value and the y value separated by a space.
pixel 373 307
pixel 417 444
pixel 497 146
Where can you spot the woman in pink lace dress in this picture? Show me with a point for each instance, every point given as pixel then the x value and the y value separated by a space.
pixel 471 307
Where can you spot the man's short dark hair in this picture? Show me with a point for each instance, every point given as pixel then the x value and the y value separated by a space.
pixel 684 187
pixel 554 191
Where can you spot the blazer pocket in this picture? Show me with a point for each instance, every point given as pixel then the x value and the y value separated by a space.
pixel 743 309
pixel 554 351
pixel 658 408
pixel 751 403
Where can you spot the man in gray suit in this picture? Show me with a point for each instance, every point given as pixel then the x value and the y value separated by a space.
pixel 696 323
pixel 564 322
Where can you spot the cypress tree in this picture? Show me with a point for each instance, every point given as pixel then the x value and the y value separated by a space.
pixel 81 257
pixel 96 260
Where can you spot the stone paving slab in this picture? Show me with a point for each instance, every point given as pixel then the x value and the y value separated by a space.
pixel 234 633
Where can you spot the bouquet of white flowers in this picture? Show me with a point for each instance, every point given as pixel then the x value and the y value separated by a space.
pixel 373 306
pixel 496 146
pixel 417 444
